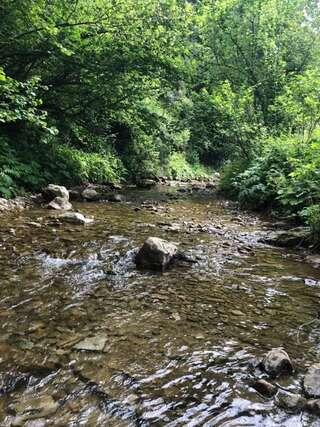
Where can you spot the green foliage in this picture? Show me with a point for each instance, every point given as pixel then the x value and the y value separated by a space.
pixel 285 175
pixel 302 186
pixel 298 107
pixel 311 216
pixel 18 171
pixel 259 44
pixel 19 102
pixel 22 168
pixel 71 166
pixel 100 90
pixel 225 123
pixel 179 168
pixel 230 172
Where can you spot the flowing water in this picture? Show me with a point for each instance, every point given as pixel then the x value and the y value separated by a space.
pixel 172 349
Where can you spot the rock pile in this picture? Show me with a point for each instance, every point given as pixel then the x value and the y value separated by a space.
pixel 277 363
pixel 57 197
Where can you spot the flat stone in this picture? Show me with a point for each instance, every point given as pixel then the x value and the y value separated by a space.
pixel 116 186
pixel 290 238
pixel 60 204
pixel 211 185
pixel 34 224
pixel 237 313
pixel 96 343
pixel 33 407
pixel 18 203
pixel 176 317
pixel 292 401
pixel 311 381
pixel 147 183
pixel 75 218
pixel 34 403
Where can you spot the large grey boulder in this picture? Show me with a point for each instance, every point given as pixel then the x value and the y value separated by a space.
pixel 59 203
pixel 74 218
pixel 311 381
pixel 156 254
pixel 52 191
pixel 277 362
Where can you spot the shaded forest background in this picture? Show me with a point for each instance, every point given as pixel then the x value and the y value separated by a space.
pixel 109 90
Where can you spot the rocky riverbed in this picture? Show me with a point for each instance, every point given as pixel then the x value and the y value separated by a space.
pixel 89 339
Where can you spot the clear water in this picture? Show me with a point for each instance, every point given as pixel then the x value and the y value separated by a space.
pixel 181 347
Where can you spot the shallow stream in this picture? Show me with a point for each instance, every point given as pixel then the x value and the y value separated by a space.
pixel 112 346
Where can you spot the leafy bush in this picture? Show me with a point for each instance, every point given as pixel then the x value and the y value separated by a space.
pixel 71 166
pixel 297 108
pixel 20 102
pixel 179 168
pixel 33 166
pixel 19 170
pixel 225 123
pixel 311 216
pixel 180 77
pixel 229 176
pixel 285 176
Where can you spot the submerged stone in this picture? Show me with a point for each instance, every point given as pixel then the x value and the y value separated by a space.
pixel 314 260
pixel 33 407
pixel 313 406
pixel 11 381
pixel 292 401
pixel 311 381
pixel 75 218
pixel 96 343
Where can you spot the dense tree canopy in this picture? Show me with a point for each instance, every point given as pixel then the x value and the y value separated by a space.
pixel 102 90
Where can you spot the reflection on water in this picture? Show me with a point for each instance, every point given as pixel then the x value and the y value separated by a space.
pixel 174 349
